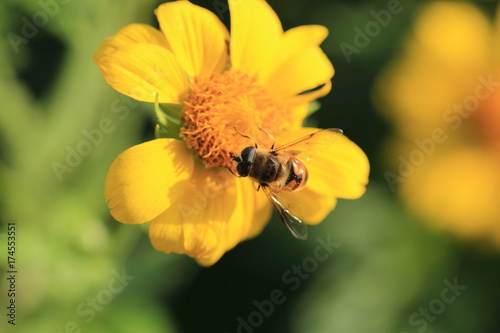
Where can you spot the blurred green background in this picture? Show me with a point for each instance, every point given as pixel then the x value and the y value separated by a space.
pixel 388 269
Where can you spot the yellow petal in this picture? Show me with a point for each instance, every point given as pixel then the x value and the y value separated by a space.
pixel 457 191
pixel 294 41
pixel 298 38
pixel 261 209
pixel 415 92
pixel 250 216
pixel 340 171
pixel 297 113
pixel 496 32
pixel 228 211
pixel 212 216
pixel 255 34
pixel 313 206
pixel 142 70
pixel 196 37
pixel 455 33
pixel 440 67
pixel 310 96
pixel 146 179
pixel 166 232
pixel 302 71
pixel 131 34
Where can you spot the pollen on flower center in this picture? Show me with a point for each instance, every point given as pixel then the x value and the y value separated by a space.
pixel 217 105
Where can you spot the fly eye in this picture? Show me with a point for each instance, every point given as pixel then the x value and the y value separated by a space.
pixel 243 169
pixel 248 154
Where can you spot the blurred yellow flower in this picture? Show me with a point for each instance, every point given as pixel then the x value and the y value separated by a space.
pixel 443 95
pixel 209 84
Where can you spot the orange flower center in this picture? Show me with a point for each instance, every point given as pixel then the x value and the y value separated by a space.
pixel 217 105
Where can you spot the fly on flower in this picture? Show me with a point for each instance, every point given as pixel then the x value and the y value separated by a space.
pixel 281 170
pixel 205 83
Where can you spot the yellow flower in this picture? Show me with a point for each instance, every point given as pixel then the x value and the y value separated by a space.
pixel 208 84
pixel 443 95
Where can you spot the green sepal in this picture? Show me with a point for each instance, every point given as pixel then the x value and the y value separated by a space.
pixel 169 123
pixel 172 112
pixel 160 132
pixel 170 131
pixel 168 112
pixel 313 107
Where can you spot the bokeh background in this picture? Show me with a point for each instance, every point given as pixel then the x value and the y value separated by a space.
pixel 391 272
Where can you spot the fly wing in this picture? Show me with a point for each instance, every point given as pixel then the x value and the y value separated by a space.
pixel 296 227
pixel 312 145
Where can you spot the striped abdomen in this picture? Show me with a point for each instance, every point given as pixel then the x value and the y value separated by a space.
pixel 297 177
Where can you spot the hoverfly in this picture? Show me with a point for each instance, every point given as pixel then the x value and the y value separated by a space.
pixel 282 170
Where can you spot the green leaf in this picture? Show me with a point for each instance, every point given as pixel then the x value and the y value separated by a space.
pixel 380 269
